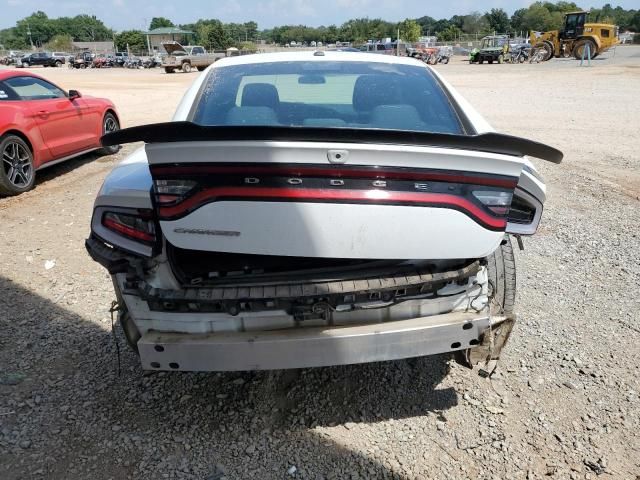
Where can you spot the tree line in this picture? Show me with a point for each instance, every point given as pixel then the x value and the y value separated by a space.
pixel 57 33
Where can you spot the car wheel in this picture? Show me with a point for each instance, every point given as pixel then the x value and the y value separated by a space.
pixel 501 59
pixel 25 65
pixel 501 272
pixel 17 174
pixel 186 67
pixel 110 124
pixel 168 70
pixel 202 69
pixel 58 64
pixel 481 61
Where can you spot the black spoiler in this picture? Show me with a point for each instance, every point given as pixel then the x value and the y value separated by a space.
pixel 191 132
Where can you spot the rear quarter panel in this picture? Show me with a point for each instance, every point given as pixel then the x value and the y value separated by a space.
pixel 15 117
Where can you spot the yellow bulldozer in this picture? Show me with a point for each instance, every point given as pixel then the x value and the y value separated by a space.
pixel 575 37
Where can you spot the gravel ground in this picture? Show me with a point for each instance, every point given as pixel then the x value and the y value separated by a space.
pixel 563 404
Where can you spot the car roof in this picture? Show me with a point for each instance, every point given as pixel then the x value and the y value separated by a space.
pixel 4 74
pixel 312 56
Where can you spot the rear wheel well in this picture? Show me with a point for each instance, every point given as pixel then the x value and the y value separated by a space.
pixel 112 112
pixel 18 133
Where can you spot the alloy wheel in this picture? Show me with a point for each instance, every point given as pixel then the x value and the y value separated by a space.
pixel 110 125
pixel 16 162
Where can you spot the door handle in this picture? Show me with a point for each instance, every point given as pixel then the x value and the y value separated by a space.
pixel 42 112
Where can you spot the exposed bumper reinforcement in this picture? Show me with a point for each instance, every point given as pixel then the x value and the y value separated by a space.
pixel 313 347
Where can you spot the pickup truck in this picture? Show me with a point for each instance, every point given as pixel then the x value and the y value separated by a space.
pixel 187 57
pixel 39 58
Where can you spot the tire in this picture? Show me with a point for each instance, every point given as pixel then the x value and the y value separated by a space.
pixel 17 173
pixel 186 67
pixel 481 60
pixel 58 64
pixel 445 60
pixel 500 59
pixel 110 124
pixel 501 273
pixel 25 65
pixel 501 269
pixel 83 65
pixel 201 69
pixel 471 61
pixel 580 47
pixel 490 61
pixel 548 51
pixel 169 70
pixel 521 59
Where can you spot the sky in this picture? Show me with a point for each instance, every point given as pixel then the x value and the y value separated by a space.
pixel 136 14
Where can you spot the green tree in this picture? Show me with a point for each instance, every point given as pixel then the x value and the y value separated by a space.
pixel 37 27
pixel 517 19
pixel 537 18
pixel 251 29
pixel 61 42
pixel 135 39
pixel 217 37
pixel 160 22
pixel 498 20
pixel 475 23
pixel 410 30
pixel 449 34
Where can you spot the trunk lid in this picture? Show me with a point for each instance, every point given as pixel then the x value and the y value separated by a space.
pixel 331 200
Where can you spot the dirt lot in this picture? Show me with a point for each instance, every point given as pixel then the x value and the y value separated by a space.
pixel 564 403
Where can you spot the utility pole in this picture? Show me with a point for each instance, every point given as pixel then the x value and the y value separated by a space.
pixel 29 33
pixel 398 44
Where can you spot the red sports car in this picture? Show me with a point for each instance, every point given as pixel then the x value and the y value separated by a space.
pixel 41 124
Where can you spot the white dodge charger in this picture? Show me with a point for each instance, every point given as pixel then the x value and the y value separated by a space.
pixel 316 208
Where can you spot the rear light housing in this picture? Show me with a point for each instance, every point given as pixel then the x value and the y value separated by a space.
pixel 524 213
pixel 498 201
pixel 170 192
pixel 135 227
pixel 133 230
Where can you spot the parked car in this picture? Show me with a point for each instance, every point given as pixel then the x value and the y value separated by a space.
pixel 383 48
pixel 281 222
pixel 62 56
pixel 187 58
pixel 42 124
pixel 43 59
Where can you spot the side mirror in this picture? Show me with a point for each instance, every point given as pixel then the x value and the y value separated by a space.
pixel 73 94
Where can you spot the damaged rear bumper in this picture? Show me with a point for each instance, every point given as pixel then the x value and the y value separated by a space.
pixel 326 346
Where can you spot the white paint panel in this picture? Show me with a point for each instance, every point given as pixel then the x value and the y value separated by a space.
pixel 334 231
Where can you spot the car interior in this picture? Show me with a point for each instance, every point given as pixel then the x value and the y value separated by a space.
pixel 370 100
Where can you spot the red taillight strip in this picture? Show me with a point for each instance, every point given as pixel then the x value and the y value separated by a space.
pixel 338 172
pixel 302 194
pixel 127 231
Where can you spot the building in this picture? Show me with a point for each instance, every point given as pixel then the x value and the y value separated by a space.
pixel 156 36
pixel 93 47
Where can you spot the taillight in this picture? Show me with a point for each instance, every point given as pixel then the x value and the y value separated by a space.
pixel 498 201
pixel 172 191
pixel 137 228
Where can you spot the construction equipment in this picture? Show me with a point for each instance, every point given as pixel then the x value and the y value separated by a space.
pixel 574 38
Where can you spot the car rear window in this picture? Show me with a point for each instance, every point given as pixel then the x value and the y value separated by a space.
pixel 327 94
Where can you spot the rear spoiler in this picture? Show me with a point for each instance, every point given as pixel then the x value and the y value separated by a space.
pixel 191 132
